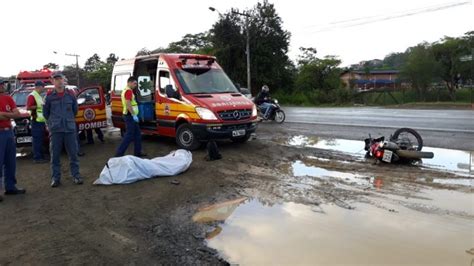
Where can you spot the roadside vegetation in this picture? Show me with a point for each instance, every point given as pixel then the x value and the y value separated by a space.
pixel 430 72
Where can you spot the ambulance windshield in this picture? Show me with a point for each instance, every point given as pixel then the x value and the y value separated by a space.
pixel 197 81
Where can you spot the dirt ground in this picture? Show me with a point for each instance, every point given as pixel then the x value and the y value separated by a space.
pixel 150 222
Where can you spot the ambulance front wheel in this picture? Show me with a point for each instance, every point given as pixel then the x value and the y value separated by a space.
pixel 186 139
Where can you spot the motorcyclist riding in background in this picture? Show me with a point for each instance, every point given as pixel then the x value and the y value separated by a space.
pixel 263 101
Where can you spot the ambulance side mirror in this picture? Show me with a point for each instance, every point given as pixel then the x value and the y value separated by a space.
pixel 171 92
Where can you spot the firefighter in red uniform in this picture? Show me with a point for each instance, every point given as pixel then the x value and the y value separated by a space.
pixel 8 111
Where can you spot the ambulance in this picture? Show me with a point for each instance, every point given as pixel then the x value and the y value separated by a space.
pixel 184 96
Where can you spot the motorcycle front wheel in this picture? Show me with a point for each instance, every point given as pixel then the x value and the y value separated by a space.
pixel 408 139
pixel 280 116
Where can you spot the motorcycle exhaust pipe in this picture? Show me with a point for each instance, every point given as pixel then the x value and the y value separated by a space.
pixel 415 154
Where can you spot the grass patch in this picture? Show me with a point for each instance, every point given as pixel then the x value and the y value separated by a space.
pixel 343 97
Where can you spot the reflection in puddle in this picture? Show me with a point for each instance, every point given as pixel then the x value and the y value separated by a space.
pixel 217 212
pixel 444 159
pixel 454 181
pixel 467 182
pixel 294 234
pixel 451 160
pixel 214 233
pixel 446 201
pixel 342 145
pixel 299 169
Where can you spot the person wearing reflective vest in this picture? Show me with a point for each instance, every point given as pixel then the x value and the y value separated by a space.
pixel 130 117
pixel 35 104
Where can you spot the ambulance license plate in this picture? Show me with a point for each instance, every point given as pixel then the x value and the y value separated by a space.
pixel 24 140
pixel 387 156
pixel 238 133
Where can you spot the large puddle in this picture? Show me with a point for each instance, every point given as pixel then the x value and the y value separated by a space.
pixel 342 145
pixel 305 169
pixel 456 161
pixel 255 233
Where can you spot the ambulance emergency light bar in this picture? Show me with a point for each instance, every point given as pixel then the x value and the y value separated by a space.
pixel 210 60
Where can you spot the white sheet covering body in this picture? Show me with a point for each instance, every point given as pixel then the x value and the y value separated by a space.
pixel 129 169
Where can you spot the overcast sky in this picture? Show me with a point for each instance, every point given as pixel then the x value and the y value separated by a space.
pixel 32 30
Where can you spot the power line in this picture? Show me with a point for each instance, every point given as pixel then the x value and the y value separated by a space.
pixel 419 9
pixel 379 18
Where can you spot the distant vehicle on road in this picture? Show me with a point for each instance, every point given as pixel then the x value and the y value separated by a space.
pixel 277 114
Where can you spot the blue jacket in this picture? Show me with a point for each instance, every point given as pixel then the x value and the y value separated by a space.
pixel 60 112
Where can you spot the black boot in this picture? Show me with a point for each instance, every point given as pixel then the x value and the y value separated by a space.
pixel 213 151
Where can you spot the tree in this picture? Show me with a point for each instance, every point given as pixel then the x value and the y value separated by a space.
pixel 93 63
pixel 192 43
pixel 228 39
pixel 98 72
pixel 269 44
pixel 319 74
pixel 447 53
pixel 269 48
pixel 420 68
pixel 112 59
pixel 158 50
pixel 100 76
pixel 466 69
pixel 307 55
pixel 319 78
pixel 52 66
pixel 144 51
pixel 70 72
pixel 394 60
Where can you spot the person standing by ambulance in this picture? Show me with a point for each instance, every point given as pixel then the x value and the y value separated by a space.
pixel 35 104
pixel 8 111
pixel 130 117
pixel 60 110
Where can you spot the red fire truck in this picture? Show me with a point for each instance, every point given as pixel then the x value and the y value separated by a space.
pixel 26 79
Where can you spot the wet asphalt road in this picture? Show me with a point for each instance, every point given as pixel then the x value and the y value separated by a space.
pixel 452 129
pixel 453 121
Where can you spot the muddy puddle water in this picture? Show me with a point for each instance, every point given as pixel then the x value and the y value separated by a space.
pixel 457 161
pixel 302 169
pixel 254 233
pixel 342 145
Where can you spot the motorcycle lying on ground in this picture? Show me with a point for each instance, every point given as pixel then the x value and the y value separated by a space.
pixel 277 114
pixel 403 146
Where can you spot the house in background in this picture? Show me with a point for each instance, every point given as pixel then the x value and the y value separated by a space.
pixel 374 79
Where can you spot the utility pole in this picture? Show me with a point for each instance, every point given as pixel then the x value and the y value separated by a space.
pixel 247 46
pixel 77 67
pixel 249 81
pixel 247 43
